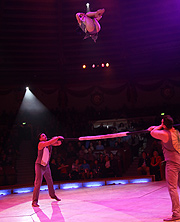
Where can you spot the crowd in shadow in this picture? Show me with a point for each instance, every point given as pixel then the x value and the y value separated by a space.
pixel 79 160
pixel 151 165
pixel 90 160
pixel 107 158
pixel 8 154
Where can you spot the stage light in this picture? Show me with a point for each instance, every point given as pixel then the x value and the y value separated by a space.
pixel 23 190
pixel 27 88
pixel 88 7
pixel 70 186
pixel 31 104
pixel 107 64
pixel 102 65
pixel 143 180
pixel 94 184
pixel 116 182
pixel 162 114
pixel 43 188
pixel 5 192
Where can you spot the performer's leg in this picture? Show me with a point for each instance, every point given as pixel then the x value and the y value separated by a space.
pixel 89 22
pixel 96 23
pixel 37 182
pixel 172 171
pixel 48 178
pixel 92 19
pixel 97 14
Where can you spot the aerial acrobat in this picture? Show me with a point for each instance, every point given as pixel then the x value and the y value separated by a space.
pixel 89 23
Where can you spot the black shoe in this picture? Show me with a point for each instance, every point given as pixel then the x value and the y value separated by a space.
pixel 56 198
pixel 173 218
pixel 35 204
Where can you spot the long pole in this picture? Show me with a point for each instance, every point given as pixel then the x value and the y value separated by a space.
pixel 109 136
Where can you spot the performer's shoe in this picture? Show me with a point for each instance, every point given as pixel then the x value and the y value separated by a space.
pixel 100 11
pixel 56 198
pixel 173 218
pixel 35 204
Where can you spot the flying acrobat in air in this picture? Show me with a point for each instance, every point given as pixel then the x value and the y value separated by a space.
pixel 89 23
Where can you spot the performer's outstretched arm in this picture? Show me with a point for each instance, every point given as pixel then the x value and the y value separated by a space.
pixel 52 141
pixel 158 133
pixel 79 17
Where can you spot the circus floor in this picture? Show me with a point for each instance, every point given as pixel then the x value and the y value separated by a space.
pixel 143 202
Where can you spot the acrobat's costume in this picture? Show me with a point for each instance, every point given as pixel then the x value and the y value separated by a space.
pixel 93 34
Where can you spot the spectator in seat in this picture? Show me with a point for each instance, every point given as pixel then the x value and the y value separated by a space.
pixel 108 172
pixel 99 146
pixel 85 170
pixel 96 169
pixel 144 164
pixel 75 171
pixel 155 165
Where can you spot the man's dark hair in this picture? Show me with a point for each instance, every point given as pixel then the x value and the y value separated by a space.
pixel 168 121
pixel 39 135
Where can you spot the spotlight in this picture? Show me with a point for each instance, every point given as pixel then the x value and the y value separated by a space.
pixel 102 65
pixel 84 66
pixel 93 66
pixel 107 64
pixel 87 7
pixel 27 88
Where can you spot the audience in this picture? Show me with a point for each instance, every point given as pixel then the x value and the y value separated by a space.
pixel 108 171
pixel 85 159
pixel 75 171
pixel 114 165
pixel 64 174
pixel 85 170
pixel 99 146
pixel 96 170
pixel 155 165
pixel 91 146
pixel 144 164
pixel 134 145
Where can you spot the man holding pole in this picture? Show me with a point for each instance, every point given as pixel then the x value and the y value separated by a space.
pixel 42 167
pixel 170 144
